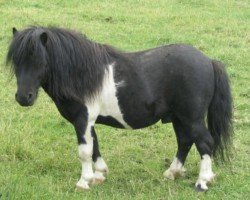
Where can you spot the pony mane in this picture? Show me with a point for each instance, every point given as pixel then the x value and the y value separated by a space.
pixel 75 66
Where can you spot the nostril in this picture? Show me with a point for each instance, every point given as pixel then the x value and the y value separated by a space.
pixel 30 96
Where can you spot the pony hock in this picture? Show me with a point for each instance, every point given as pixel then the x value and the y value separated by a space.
pixel 93 83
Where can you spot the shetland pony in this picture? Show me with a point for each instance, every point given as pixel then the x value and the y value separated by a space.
pixel 94 83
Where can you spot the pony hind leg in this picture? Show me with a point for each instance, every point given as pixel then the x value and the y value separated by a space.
pixel 184 142
pixel 204 143
pixel 100 166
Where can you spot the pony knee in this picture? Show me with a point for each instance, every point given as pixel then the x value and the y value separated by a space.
pixel 85 152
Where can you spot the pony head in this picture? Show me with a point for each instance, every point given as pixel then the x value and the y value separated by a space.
pixel 28 56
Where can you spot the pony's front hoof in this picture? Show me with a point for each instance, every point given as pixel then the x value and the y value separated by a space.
pixel 82 185
pixel 98 178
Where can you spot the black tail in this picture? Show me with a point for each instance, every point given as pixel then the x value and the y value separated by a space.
pixel 219 116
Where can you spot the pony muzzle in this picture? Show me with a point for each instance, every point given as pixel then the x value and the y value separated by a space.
pixel 25 99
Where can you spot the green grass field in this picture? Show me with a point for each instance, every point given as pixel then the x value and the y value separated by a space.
pixel 38 151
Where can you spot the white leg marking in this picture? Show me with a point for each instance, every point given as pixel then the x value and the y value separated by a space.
pixel 85 155
pixel 176 169
pixel 206 175
pixel 101 169
pixel 100 165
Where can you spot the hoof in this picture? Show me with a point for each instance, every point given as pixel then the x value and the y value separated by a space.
pixel 169 175
pixel 98 178
pixel 202 182
pixel 173 174
pixel 198 188
pixel 82 185
pixel 97 181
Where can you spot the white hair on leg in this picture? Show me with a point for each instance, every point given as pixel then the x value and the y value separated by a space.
pixel 85 156
pixel 100 165
pixel 176 169
pixel 101 169
pixel 206 175
pixel 86 150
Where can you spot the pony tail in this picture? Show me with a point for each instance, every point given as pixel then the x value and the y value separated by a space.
pixel 219 116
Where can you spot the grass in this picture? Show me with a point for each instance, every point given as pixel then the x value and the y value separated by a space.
pixel 38 152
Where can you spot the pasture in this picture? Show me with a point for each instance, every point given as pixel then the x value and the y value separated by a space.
pixel 38 150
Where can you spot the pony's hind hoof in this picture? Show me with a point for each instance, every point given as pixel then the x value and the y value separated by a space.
pixel 169 175
pixel 201 186
pixel 198 188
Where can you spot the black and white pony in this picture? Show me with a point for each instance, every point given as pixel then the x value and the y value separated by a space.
pixel 94 83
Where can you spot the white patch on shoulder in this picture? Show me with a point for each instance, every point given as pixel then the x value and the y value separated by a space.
pixel 108 100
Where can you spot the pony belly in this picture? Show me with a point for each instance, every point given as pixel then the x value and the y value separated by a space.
pixel 109 121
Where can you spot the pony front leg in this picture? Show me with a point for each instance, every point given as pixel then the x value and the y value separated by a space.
pixel 85 149
pixel 100 166
pixel 83 118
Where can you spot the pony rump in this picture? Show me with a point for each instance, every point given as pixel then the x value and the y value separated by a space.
pixel 75 65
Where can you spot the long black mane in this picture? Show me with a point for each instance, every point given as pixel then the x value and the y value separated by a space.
pixel 75 66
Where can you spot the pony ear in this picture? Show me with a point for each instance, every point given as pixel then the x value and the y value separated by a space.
pixel 44 38
pixel 14 31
